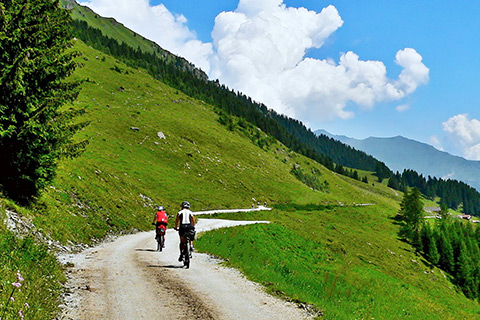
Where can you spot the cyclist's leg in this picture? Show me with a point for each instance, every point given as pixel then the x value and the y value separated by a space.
pixel 182 247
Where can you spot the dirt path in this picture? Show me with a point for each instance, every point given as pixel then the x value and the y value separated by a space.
pixel 127 279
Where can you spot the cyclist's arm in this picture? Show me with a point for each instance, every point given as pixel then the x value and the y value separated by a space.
pixel 192 220
pixel 176 222
pixel 154 219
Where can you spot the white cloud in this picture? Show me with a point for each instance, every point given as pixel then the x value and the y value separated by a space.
pixel 466 133
pixel 260 49
pixel 402 107
pixel 414 72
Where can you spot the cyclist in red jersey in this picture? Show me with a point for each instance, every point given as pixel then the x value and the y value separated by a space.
pixel 160 220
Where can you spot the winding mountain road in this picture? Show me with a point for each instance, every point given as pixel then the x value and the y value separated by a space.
pixel 128 279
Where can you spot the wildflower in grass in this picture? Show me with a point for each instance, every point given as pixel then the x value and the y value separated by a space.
pixel 16 285
pixel 19 276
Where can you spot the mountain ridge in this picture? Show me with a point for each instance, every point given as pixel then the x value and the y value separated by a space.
pixel 401 153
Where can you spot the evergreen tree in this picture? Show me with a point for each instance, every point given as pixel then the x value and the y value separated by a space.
pixel 433 254
pixel 34 63
pixel 444 211
pixel 464 273
pixel 355 175
pixel 411 210
pixel 393 183
pixel 447 260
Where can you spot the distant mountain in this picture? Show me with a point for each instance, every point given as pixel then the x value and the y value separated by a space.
pixel 400 153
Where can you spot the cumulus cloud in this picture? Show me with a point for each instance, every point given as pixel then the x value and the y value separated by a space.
pixel 261 48
pixel 158 24
pixel 466 133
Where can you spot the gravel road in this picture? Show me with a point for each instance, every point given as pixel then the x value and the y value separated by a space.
pixel 128 279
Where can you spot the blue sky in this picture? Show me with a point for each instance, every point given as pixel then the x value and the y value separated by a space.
pixel 357 68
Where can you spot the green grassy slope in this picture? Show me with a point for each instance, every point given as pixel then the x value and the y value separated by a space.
pixel 340 257
pixel 347 261
pixel 357 258
pixel 124 173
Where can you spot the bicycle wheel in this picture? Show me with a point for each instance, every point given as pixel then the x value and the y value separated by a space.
pixel 186 256
pixel 162 242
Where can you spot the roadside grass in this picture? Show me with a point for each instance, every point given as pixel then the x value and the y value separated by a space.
pixel 346 261
pixel 31 266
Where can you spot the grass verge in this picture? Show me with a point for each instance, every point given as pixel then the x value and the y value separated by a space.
pixel 30 279
pixel 346 261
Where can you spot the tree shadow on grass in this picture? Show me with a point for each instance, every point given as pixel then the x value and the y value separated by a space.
pixel 396 220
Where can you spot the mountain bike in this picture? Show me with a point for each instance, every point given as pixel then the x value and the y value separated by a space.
pixel 160 237
pixel 187 252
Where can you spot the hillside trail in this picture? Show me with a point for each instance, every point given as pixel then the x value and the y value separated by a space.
pixel 128 279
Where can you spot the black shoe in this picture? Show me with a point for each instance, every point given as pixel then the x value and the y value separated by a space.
pixel 191 249
pixel 180 259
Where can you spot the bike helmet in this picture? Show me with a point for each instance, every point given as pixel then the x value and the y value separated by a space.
pixel 185 204
pixel 161 208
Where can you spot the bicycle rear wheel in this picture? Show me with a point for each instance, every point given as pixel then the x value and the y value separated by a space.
pixel 186 256
pixel 162 242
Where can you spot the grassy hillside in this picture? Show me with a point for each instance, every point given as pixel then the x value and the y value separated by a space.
pixel 200 159
pixel 346 261
pixel 127 169
pixel 321 248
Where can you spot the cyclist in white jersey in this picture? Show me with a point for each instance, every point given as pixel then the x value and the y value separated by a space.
pixel 185 221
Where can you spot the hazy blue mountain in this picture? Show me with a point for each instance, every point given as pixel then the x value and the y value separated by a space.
pixel 400 153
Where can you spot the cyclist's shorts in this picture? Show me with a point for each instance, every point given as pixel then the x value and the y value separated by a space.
pixel 186 228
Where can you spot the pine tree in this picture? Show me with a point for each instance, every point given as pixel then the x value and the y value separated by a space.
pixel 433 254
pixel 34 63
pixel 464 273
pixel 411 210
pixel 447 261
pixel 444 212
